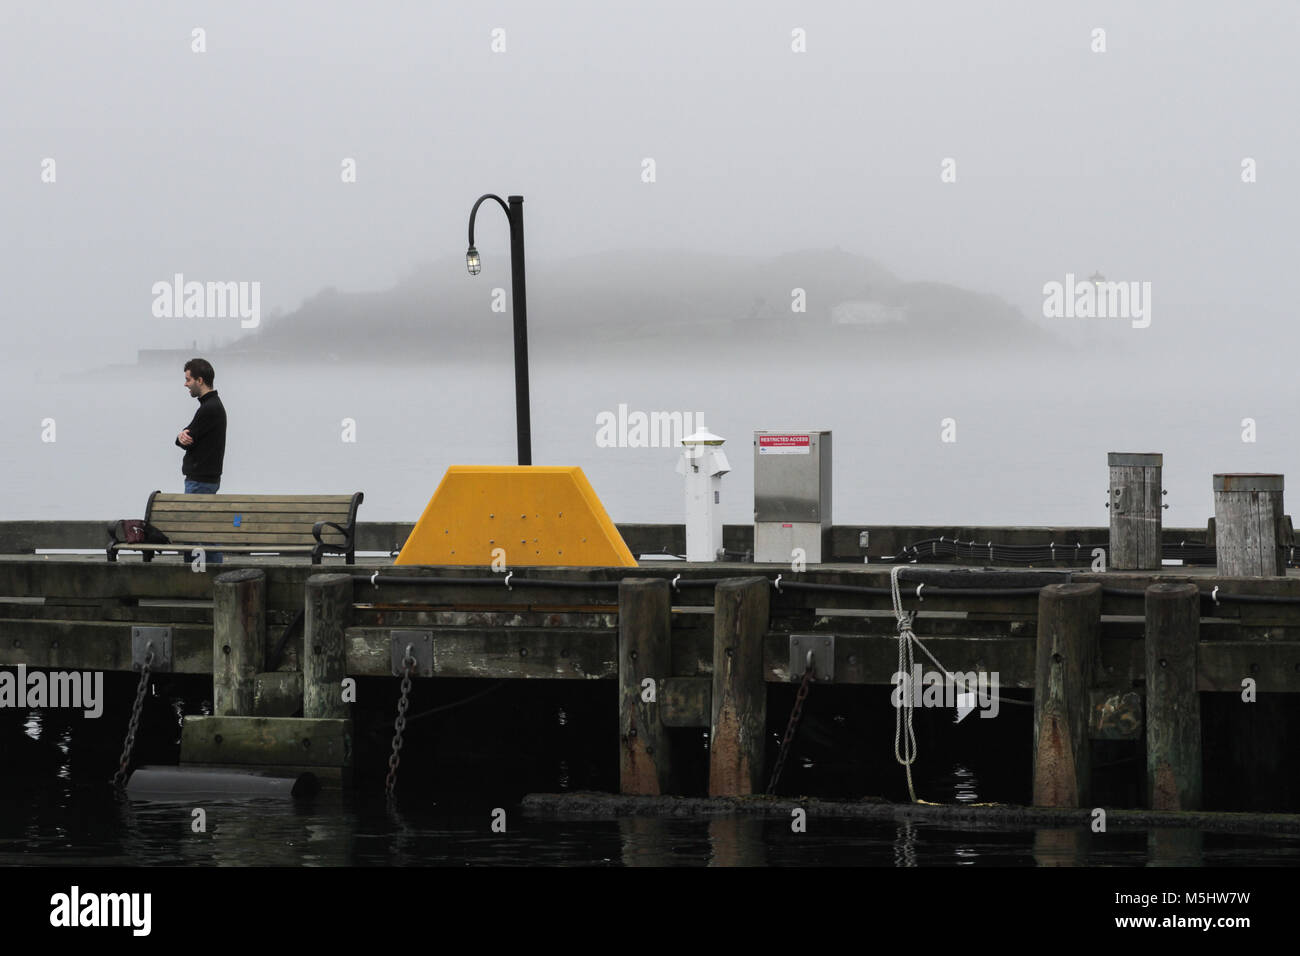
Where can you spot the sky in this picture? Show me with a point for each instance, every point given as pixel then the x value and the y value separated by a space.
pixel 772 127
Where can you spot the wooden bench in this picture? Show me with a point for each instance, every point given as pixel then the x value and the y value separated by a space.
pixel 251 524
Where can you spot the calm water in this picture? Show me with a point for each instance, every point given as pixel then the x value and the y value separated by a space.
pixel 94 829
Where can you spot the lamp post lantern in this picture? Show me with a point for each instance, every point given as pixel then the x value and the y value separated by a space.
pixel 515 214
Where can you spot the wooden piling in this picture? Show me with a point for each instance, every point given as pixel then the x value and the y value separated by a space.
pixel 238 640
pixel 1173 623
pixel 737 741
pixel 1136 511
pixel 1069 630
pixel 328 613
pixel 644 652
pixel 1250 528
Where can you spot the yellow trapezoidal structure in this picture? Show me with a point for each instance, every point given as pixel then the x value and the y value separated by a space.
pixel 536 514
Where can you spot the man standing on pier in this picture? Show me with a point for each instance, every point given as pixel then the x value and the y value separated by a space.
pixel 204 438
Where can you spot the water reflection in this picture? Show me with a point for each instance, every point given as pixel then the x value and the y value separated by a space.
pixel 645 841
pixel 905 844
pixel 1168 846
pixel 1060 846
pixel 737 841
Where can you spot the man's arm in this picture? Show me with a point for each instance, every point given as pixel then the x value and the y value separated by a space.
pixel 189 428
pixel 205 421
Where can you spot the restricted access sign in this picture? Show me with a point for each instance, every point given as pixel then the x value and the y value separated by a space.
pixel 784 444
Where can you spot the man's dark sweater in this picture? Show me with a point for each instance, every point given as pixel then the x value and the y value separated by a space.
pixel 204 457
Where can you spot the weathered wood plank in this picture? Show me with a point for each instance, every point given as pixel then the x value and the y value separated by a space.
pixel 687 701
pixel 267 741
pixel 327 616
pixel 238 640
pixel 96 645
pixel 644 653
pixel 1248 520
pixel 1069 622
pixel 1173 706
pixel 1274 666
pixel 693 647
pixel 1136 510
pixel 495 653
pixel 407 616
pixel 739 720
pixel 134 613
pixel 277 694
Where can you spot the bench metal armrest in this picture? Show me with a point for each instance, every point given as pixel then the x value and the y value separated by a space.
pixel 316 529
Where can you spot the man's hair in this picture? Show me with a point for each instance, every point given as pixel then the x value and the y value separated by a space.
pixel 200 368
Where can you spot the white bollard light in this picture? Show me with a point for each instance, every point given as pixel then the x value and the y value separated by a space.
pixel 703 463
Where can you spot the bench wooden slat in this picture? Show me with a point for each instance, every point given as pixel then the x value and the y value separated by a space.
pixel 269 524
pixel 254 499
pixel 253 526
pixel 234 509
pixel 264 541
pixel 248 549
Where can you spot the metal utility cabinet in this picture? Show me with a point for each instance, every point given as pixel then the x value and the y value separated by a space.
pixel 792 494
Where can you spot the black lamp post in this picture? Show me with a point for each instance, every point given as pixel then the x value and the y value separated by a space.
pixel 515 213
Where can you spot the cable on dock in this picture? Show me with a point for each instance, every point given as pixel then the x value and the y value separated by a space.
pixel 510 582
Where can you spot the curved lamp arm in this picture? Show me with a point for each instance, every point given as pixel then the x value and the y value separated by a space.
pixel 471 256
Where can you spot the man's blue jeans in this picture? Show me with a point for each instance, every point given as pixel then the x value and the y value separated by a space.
pixel 193 487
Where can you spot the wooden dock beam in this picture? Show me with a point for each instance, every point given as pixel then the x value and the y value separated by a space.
pixel 1136 511
pixel 1249 525
pixel 1069 629
pixel 737 739
pixel 1173 718
pixel 644 652
pixel 324 658
pixel 238 640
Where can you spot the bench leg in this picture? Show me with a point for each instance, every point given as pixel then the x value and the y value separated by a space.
pixel 148 556
pixel 112 554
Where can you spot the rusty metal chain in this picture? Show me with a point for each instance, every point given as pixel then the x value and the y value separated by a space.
pixel 403 703
pixel 119 778
pixel 793 727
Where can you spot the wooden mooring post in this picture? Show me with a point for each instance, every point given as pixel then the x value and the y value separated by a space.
pixel 238 640
pixel 324 653
pixel 739 725
pixel 1069 631
pixel 1136 511
pixel 236 735
pixel 644 654
pixel 1173 717
pixel 1249 525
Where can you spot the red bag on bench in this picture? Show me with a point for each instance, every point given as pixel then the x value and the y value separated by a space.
pixel 136 531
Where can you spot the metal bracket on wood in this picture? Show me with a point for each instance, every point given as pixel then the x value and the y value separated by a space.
pixel 421 642
pixel 822 648
pixel 161 638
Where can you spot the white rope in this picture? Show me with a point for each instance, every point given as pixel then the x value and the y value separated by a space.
pixel 903 732
pixel 904 735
